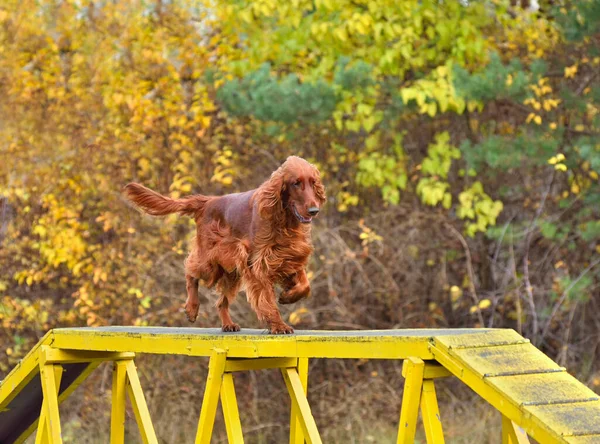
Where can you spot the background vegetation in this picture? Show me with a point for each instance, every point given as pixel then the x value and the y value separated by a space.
pixel 459 142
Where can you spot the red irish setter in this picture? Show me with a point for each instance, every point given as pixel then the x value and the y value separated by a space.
pixel 254 239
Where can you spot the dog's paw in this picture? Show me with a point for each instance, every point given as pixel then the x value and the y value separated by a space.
pixel 281 329
pixel 230 327
pixel 191 311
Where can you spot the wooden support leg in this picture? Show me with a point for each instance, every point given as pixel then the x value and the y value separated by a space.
pixel 42 435
pixel 230 411
pixel 138 402
pixel 431 414
pixel 300 403
pixel 211 396
pixel 49 373
pixel 117 418
pixel 411 398
pixel 512 433
pixel 296 435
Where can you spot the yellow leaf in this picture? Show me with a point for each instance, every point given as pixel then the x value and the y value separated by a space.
pixel 553 126
pixel 537 120
pixel 509 80
pixel 431 109
pixel 571 71
pixel 484 303
pixel 455 293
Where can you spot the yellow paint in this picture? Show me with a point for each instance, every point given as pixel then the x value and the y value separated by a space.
pixel 521 382
pixel 411 398
pixel 42 435
pixel 216 367
pixel 296 435
pixel 117 416
pixel 231 413
pixel 50 389
pixel 300 404
pixel 431 414
pixel 239 365
pixel 138 402
pixel 511 433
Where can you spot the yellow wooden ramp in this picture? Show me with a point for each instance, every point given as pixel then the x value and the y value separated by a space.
pixel 534 395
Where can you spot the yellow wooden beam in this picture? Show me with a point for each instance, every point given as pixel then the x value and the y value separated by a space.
pixel 214 380
pixel 138 402
pixel 230 410
pixel 512 433
pixel 479 384
pixel 300 403
pixel 64 395
pixel 58 356
pixel 296 435
pixel 243 364
pixel 23 373
pixel 117 417
pixel 42 436
pixel 432 370
pixel 200 342
pixel 411 398
pixel 431 413
pixel 48 374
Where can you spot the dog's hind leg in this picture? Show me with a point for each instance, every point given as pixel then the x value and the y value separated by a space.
pixel 194 271
pixel 192 304
pixel 228 287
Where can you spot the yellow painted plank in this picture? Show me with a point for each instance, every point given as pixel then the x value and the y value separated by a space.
pixel 543 388
pixel 138 402
pixel 580 418
pixel 512 433
pixel 23 372
pixel 298 397
pixel 532 425
pixel 411 399
pixel 432 422
pixel 50 390
pixel 481 338
pixel 238 365
pixel 296 434
pixel 210 401
pixel 432 370
pixel 589 439
pixel 117 416
pixel 43 430
pixel 231 413
pixel 506 360
pixel 385 344
pixel 369 347
pixel 54 355
pixel 64 395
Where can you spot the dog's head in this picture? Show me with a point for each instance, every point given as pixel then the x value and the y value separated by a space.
pixel 296 189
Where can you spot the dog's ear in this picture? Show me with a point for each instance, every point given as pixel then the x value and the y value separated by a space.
pixel 270 195
pixel 319 188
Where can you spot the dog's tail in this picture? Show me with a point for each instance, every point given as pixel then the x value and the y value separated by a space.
pixel 158 205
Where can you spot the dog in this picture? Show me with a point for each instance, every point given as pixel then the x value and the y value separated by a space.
pixel 253 240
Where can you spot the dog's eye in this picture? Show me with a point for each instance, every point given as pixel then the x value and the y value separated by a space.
pixel 297 183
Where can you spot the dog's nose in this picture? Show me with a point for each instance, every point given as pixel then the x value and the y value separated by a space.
pixel 313 211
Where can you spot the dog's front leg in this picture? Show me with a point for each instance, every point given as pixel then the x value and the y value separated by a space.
pixel 296 287
pixel 261 296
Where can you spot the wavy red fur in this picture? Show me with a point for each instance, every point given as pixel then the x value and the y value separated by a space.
pixel 254 239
